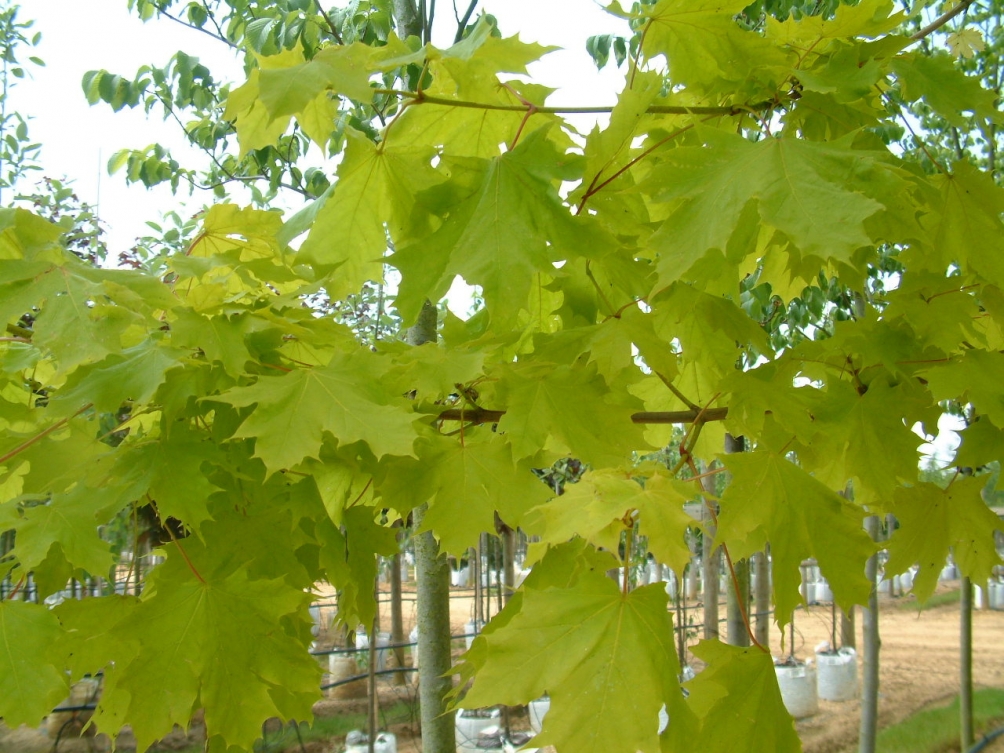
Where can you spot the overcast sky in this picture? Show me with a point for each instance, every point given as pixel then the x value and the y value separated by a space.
pixel 78 140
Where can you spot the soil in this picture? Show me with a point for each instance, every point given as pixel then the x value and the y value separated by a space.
pixel 919 665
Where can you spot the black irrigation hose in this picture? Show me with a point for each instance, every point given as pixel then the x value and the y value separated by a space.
pixel 987 739
pixel 355 678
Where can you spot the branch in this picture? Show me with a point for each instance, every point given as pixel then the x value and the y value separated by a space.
pixel 462 22
pixel 487 416
pixel 941 20
pixel 331 24
pixel 177 20
pixel 725 110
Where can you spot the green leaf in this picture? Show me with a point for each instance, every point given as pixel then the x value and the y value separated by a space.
pixel 221 338
pixel 602 505
pixel 948 91
pixel 807 190
pixel 570 406
pixel 773 500
pixel 739 702
pixel 934 522
pixel 376 184
pixel 474 479
pixel 590 648
pixel 31 677
pixel 238 663
pixel 973 378
pixel 343 398
pixel 507 228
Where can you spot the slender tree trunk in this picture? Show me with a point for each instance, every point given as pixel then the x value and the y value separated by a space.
pixel 711 559
pixel 397 616
pixel 761 563
pixel 409 21
pixel 872 644
pixel 736 602
pixel 848 637
pixel 508 538
pixel 966 665
pixel 432 573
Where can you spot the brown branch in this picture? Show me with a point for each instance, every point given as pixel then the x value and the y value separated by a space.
pixel 724 110
pixel 331 24
pixel 487 416
pixel 941 20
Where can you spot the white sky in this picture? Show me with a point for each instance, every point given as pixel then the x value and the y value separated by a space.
pixel 82 35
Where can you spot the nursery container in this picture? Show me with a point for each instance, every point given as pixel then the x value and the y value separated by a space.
pixel 471 630
pixel 538 709
pixel 798 688
pixel 808 591
pixel 358 742
pixel 470 723
pixel 995 592
pixel 342 667
pixel 824 594
pixel 837 675
pixel 949 572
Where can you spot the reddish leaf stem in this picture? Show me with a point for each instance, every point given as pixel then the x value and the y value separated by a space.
pixel 17 588
pixel 184 554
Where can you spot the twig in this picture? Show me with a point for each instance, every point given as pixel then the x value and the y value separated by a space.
pixel 181 549
pixel 330 22
pixel 941 20
pixel 672 388
pixel 462 22
pixel 177 20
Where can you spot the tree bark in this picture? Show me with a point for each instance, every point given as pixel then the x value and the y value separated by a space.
pixel 872 644
pixel 409 21
pixel 736 602
pixel 966 665
pixel 848 637
pixel 711 563
pixel 432 573
pixel 433 580
pixel 761 563
pixel 397 616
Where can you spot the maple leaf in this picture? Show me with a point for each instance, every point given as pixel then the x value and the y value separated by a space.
pixel 474 479
pixel 216 642
pixel 68 522
pixel 597 506
pixel 934 522
pixel 342 398
pixel 377 184
pixel 974 378
pixel 570 404
pixel 221 338
pixel 738 701
pixel 793 182
pixel 965 43
pixel 32 681
pixel 606 660
pixel 509 226
pixel 947 90
pixel 772 499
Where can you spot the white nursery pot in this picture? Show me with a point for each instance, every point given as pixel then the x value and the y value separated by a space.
pixel 798 689
pixel 837 675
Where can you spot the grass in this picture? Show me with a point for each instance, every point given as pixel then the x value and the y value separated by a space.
pixel 936 730
pixel 936 600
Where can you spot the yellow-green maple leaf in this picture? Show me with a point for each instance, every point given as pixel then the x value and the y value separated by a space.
pixel 772 500
pixel 606 659
pixel 935 521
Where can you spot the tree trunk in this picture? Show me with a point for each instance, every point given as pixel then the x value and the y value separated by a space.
pixel 711 563
pixel 761 564
pixel 848 638
pixel 409 21
pixel 397 616
pixel 736 602
pixel 433 580
pixel 872 644
pixel 508 538
pixel 432 573
pixel 966 665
